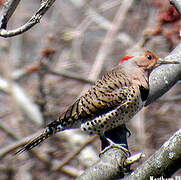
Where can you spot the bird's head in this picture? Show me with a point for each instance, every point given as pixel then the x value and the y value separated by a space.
pixel 147 61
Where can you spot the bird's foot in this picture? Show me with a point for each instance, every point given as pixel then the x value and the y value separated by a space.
pixel 128 131
pixel 123 147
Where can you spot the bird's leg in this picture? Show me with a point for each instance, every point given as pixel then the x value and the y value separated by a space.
pixel 115 138
pixel 123 147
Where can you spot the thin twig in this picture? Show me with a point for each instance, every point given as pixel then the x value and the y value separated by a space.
pixel 8 149
pixel 74 154
pixel 9 131
pixel 22 100
pixel 45 5
pixel 109 4
pixel 20 73
pixel 4 114
pixel 105 48
pixel 4 151
pixel 42 100
pixel 9 8
pixel 171 99
pixel 71 171
pixel 70 75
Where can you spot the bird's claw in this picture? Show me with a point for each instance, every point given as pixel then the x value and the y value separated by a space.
pixel 123 147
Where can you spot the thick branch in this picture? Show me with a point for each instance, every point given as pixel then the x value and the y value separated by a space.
pixel 165 162
pixel 165 76
pixel 45 5
pixel 107 167
pixel 110 164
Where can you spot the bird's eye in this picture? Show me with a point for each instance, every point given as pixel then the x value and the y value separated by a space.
pixel 149 57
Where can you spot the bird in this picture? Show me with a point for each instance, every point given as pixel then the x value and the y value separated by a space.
pixel 109 103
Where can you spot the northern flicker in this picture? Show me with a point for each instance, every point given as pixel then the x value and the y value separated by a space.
pixel 111 102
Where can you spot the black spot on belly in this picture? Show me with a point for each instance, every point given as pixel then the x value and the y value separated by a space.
pixel 144 93
pixel 102 126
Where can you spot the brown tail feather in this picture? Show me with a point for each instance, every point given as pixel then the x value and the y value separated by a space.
pixel 38 140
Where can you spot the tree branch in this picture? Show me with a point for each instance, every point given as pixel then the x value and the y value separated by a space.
pixel 177 5
pixel 9 8
pixel 45 5
pixel 107 167
pixel 74 154
pixel 70 75
pixel 165 76
pixel 165 162
pixel 110 164
pixel 108 40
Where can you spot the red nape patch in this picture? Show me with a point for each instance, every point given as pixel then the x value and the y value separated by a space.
pixel 125 59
